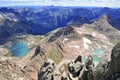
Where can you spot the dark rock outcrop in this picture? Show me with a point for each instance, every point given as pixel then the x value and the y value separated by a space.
pixel 113 72
pixel 75 67
pixel 48 71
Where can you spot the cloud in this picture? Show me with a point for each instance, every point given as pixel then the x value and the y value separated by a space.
pixel 102 3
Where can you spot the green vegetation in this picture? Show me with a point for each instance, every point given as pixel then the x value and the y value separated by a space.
pixel 55 55
pixel 8 55
pixel 5 54
pixel 7 75
pixel 1 22
pixel 39 38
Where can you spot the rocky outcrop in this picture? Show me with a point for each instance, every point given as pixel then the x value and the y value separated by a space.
pixel 75 67
pixel 113 72
pixel 75 70
pixel 105 70
pixel 100 70
pixel 48 71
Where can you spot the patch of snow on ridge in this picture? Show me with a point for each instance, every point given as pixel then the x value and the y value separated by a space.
pixel 105 46
pixel 65 39
pixel 79 32
pixel 74 46
pixel 86 42
pixel 93 34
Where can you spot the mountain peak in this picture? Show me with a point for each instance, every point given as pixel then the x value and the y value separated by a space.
pixel 105 16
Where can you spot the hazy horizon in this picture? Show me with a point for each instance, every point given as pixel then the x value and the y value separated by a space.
pixel 84 3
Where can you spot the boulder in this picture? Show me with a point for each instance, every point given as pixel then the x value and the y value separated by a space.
pixel 115 58
pixel 100 69
pixel 64 76
pixel 48 71
pixel 75 67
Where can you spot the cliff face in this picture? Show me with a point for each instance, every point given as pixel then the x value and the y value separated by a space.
pixel 113 72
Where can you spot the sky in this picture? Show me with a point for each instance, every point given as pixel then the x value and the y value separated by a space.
pixel 98 3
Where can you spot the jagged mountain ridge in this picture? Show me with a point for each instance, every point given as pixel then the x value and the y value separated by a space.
pixel 44 19
pixel 101 25
pixel 104 25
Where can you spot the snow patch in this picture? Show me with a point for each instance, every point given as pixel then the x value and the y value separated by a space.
pixel 93 34
pixel 79 32
pixel 65 39
pixel 80 52
pixel 105 46
pixel 86 42
pixel 15 20
pixel 74 46
pixel 99 46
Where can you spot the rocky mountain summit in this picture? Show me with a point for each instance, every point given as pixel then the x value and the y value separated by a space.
pixel 76 70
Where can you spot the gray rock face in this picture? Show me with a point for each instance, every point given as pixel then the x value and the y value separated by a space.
pixel 115 57
pixel 113 72
pixel 75 67
pixel 48 71
pixel 100 70
pixel 64 76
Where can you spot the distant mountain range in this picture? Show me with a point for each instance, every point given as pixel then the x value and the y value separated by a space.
pixel 63 42
pixel 41 20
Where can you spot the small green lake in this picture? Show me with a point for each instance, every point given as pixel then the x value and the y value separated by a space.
pixel 98 51
pixel 95 59
pixel 84 60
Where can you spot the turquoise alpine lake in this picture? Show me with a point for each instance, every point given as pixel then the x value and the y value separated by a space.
pixel 84 60
pixel 98 51
pixel 95 59
pixel 19 49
